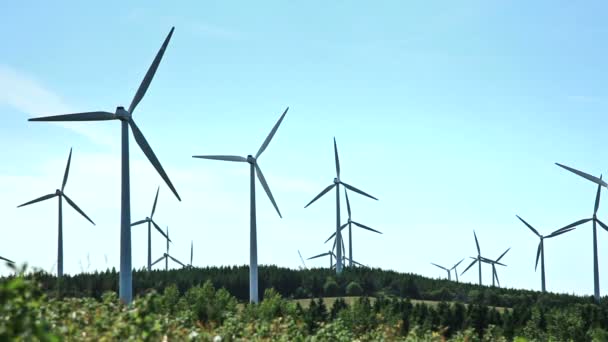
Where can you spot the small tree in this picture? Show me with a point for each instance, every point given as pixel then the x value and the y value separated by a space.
pixel 354 289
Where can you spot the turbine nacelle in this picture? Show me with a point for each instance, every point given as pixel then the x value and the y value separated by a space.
pixel 122 113
pixel 251 159
pixel 336 180
pixel 57 192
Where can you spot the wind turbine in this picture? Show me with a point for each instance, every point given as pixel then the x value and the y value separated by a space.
pixel 60 194
pixel 302 259
pixel 455 270
pixel 449 270
pixel 494 263
pixel 151 222
pixel 541 247
pixel 331 257
pixel 166 256
pixel 126 119
pixel 336 184
pixel 254 169
pixel 349 223
pixel 600 183
pixel 478 259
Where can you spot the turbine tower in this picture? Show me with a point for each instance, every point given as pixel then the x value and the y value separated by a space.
pixel 336 184
pixel 540 252
pixel 478 259
pixel 60 194
pixel 600 183
pixel 150 221
pixel 494 263
pixel 254 169
pixel 166 256
pixel 350 234
pixel 126 119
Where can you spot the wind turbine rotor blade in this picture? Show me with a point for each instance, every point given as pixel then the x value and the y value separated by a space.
pixel 529 226
pixel 145 147
pixel 584 175
pixel 271 134
pixel 559 232
pixel 365 227
pixel 337 159
pixel 154 205
pixel 266 188
pixel 84 116
pixel 471 265
pixel 224 158
pixel 67 171
pixel 160 230
pixel 76 208
pixel 537 255
pixel 7 260
pixel 443 268
pixel 454 267
pixel 476 243
pixel 496 276
pixel 577 223
pixel 486 260
pixel 138 222
pixel 344 226
pixel 39 199
pixel 352 188
pixel 330 237
pixel 177 261
pixel 145 83
pixel 347 204
pixel 597 198
pixel 191 251
pixel 318 256
pixel 503 254
pixel 157 261
pixel 602 224
pixel 321 194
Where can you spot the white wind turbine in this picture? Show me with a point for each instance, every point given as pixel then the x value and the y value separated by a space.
pixel 150 221
pixel 126 119
pixel 254 170
pixel 60 194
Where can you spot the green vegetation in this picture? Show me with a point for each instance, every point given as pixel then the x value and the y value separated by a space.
pixel 30 309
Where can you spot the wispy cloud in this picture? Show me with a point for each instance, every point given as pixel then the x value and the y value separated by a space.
pixel 29 96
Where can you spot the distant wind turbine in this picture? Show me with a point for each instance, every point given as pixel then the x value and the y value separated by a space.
pixel 540 252
pixel 60 194
pixel 302 259
pixel 166 256
pixel 336 184
pixel 600 183
pixel 478 259
pixel 150 221
pixel 349 223
pixel 448 270
pixel 126 118
pixel 328 253
pixel 494 263
pixel 254 169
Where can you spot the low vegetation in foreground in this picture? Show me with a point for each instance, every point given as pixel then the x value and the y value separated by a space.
pixel 204 312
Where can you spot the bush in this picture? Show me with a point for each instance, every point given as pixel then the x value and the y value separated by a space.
pixel 330 288
pixel 354 289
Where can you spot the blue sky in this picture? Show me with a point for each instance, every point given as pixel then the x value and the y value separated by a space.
pixel 451 114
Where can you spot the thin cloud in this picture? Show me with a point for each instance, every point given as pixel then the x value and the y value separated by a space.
pixel 29 96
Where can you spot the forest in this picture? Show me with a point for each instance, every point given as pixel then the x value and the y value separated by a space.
pixel 372 304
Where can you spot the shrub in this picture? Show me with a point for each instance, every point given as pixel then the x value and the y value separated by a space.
pixel 354 289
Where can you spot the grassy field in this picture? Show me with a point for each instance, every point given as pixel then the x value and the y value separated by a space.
pixel 329 302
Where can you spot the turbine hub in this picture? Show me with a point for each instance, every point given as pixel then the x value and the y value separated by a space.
pixel 147 218
pixel 336 180
pixel 57 192
pixel 250 159
pixel 122 113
